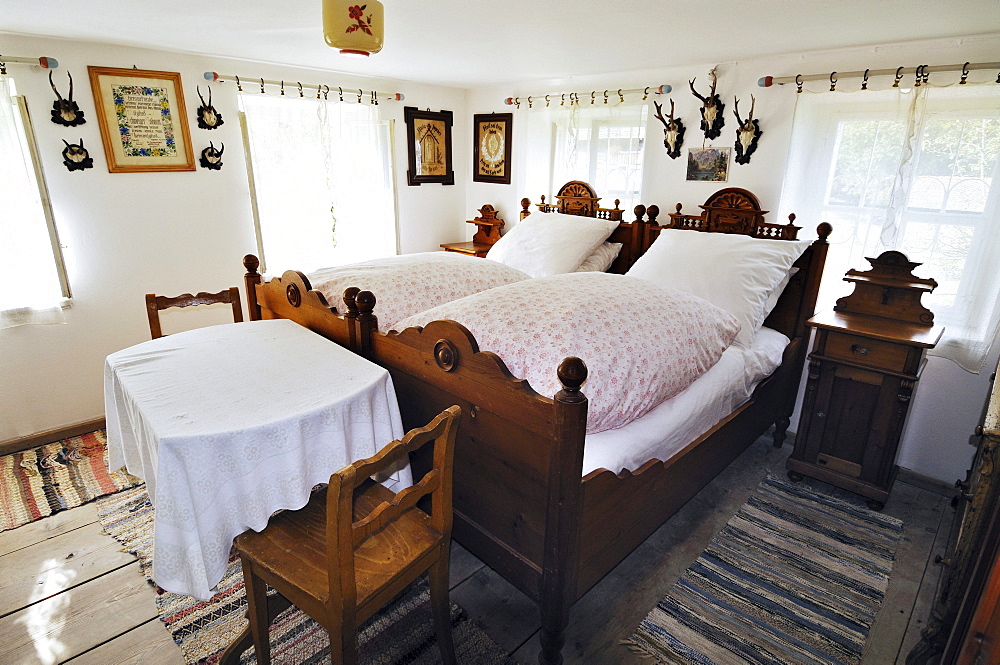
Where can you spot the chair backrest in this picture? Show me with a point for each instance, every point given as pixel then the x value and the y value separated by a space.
pixel 155 303
pixel 344 534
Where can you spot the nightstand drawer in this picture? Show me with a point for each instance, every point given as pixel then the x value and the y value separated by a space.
pixel 867 351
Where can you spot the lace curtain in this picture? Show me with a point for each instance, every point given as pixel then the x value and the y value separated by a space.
pixel 915 170
pixel 323 179
pixel 599 144
pixel 30 289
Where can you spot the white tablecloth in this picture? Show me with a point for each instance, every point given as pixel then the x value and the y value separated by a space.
pixel 228 424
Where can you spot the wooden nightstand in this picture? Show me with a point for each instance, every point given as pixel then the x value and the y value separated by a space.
pixel 474 248
pixel 487 232
pixel 865 363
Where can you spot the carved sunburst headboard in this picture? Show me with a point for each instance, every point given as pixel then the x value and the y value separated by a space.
pixel 576 198
pixel 733 210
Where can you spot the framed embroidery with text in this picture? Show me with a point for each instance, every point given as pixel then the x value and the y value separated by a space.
pixel 142 119
pixel 491 147
pixel 428 146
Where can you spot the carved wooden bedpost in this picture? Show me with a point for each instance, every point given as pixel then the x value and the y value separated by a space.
pixel 652 212
pixel 819 250
pixel 367 322
pixel 638 235
pixel 350 301
pixel 525 204
pixel 250 281
pixel 561 559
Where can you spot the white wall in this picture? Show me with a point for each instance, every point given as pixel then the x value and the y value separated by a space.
pixel 128 234
pixel 948 401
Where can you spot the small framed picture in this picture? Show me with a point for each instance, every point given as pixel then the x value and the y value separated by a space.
pixel 491 147
pixel 708 164
pixel 142 119
pixel 428 146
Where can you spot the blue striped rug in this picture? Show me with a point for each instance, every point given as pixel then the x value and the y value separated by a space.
pixel 795 577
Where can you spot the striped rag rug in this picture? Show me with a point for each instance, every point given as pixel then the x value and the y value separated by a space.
pixel 795 577
pixel 402 633
pixel 42 481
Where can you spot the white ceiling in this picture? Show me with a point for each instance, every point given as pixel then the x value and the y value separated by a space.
pixel 472 43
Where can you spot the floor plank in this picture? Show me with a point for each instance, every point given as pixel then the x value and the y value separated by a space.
pixel 48 527
pixel 921 513
pixel 929 587
pixel 48 567
pixel 506 614
pixel 149 644
pixel 461 565
pixel 77 620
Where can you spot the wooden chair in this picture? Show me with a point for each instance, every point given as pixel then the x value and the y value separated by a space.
pixel 155 303
pixel 356 545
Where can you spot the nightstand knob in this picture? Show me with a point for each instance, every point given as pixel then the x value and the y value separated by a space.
pixel 820 415
pixel 862 350
pixel 979 430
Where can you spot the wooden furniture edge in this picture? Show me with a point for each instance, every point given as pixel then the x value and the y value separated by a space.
pixel 50 436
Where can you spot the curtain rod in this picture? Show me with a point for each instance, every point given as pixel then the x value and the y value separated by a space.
pixel 295 86
pixel 923 70
pixel 574 97
pixel 43 62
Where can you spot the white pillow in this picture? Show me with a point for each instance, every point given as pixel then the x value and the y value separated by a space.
pixel 550 244
pixel 602 258
pixel 734 272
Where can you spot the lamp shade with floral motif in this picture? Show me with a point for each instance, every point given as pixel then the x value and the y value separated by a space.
pixel 356 28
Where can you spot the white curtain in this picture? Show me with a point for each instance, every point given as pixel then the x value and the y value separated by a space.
pixel 601 144
pixel 913 169
pixel 323 179
pixel 30 290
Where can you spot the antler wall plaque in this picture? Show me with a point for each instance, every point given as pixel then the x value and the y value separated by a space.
pixel 747 133
pixel 673 131
pixel 208 117
pixel 712 107
pixel 65 111
pixel 76 157
pixel 211 158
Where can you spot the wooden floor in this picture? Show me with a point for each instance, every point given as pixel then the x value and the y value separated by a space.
pixel 67 594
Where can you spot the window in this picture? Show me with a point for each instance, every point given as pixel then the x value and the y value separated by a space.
pixel 602 145
pixel 33 284
pixel 916 171
pixel 321 174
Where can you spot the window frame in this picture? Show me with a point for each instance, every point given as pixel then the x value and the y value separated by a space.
pixel 27 135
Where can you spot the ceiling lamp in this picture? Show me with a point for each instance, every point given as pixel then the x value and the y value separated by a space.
pixel 356 28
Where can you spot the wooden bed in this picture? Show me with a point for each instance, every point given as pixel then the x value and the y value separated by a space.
pixel 521 503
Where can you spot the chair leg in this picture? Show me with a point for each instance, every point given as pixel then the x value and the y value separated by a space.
pixel 256 592
pixel 438 578
pixel 343 642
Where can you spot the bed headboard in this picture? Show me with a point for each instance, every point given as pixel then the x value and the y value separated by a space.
pixel 576 198
pixel 733 210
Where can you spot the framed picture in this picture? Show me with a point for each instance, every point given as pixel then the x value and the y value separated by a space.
pixel 491 147
pixel 428 146
pixel 708 164
pixel 142 119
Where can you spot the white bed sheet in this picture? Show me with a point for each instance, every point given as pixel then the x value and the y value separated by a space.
pixel 679 420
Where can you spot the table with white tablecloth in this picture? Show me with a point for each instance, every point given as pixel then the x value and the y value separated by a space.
pixel 228 424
